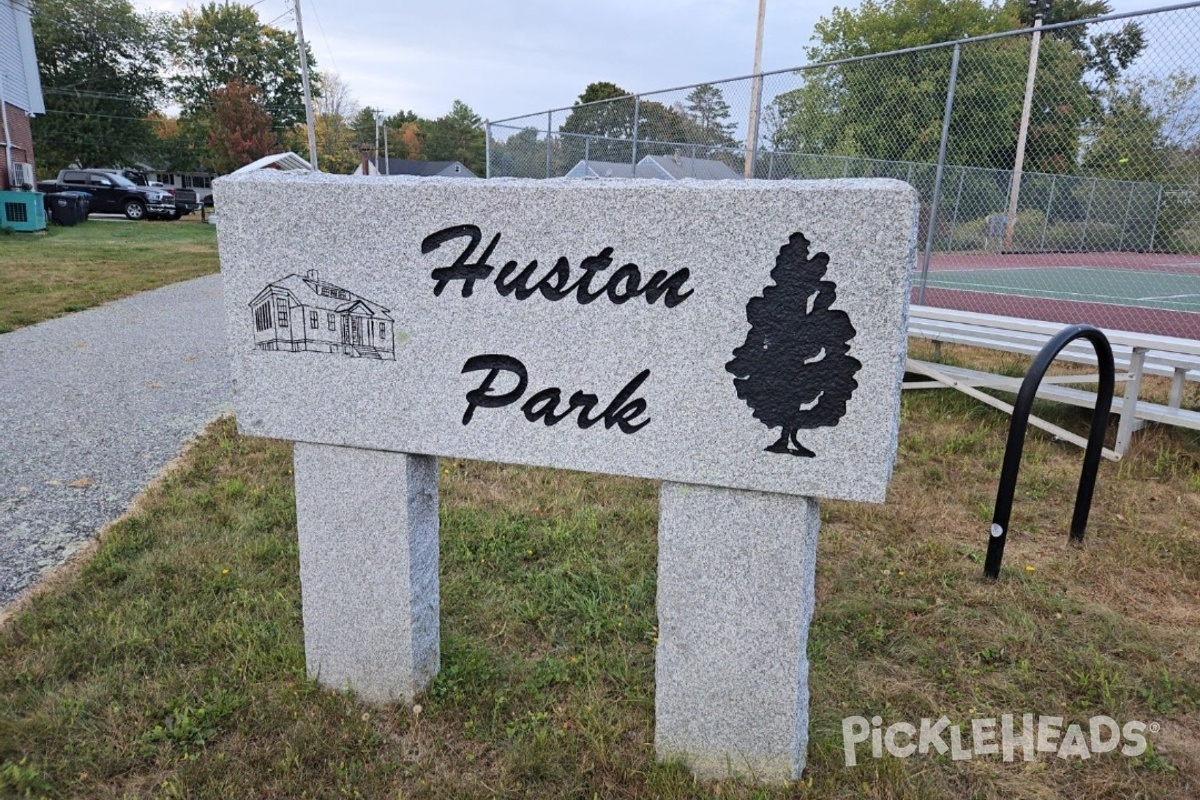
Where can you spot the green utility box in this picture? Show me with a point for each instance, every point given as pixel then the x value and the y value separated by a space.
pixel 22 211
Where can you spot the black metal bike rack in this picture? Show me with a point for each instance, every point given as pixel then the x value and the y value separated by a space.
pixel 1016 439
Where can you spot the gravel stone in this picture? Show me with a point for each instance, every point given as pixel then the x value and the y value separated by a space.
pixel 93 405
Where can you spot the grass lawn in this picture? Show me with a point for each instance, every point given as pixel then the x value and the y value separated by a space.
pixel 70 269
pixel 171 663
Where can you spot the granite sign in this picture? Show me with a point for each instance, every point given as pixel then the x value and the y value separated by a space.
pixel 743 342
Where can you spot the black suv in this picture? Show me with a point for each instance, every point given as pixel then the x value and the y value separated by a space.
pixel 113 193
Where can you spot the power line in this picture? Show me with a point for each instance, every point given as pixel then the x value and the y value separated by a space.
pixel 323 36
pixel 107 116
pixel 281 16
pixel 156 120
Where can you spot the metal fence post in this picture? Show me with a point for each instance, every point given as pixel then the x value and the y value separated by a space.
pixel 1125 219
pixel 962 176
pixel 1087 215
pixel 937 178
pixel 1154 224
pixel 1049 210
pixel 637 112
pixel 549 124
pixel 487 148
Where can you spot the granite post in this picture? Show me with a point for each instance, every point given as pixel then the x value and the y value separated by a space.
pixel 368 526
pixel 735 597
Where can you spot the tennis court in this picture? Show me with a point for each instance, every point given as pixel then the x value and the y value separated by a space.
pixel 1144 292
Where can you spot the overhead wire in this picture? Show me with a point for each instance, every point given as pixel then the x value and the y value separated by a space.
pixel 320 27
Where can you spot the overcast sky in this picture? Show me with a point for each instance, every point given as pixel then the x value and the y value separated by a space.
pixel 510 57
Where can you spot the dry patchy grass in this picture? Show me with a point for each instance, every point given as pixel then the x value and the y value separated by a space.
pixel 173 664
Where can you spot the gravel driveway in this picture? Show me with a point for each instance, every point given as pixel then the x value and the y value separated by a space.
pixel 92 406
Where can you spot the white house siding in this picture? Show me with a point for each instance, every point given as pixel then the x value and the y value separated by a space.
pixel 18 63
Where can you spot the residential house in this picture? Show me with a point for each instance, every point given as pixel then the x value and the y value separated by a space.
pixel 601 169
pixel 677 167
pixel 406 166
pixel 308 314
pixel 670 168
pixel 20 94
pixel 199 181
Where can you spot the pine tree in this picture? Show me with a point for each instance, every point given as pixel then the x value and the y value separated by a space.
pixel 793 370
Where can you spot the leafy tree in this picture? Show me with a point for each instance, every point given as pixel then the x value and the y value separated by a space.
pixel 363 125
pixel 521 155
pixel 879 26
pixel 1127 141
pixel 336 140
pixel 891 109
pixel 410 143
pixel 794 369
pixel 604 113
pixel 241 131
pixel 1107 54
pixel 1149 132
pixel 100 78
pixel 705 106
pixel 407 133
pixel 600 127
pixel 224 42
pixel 177 146
pixel 457 136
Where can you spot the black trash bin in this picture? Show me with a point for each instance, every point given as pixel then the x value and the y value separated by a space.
pixel 84 199
pixel 63 208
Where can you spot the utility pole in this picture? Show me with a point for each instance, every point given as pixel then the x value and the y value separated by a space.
pixel 755 93
pixel 387 153
pixel 308 109
pixel 1040 7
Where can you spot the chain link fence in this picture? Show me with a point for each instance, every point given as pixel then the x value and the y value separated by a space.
pixel 1098 221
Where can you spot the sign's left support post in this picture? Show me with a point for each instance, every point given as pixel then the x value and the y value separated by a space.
pixel 368 525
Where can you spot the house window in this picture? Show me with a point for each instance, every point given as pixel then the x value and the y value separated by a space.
pixel 262 317
pixel 332 321
pixel 313 319
pixel 281 304
pixel 382 330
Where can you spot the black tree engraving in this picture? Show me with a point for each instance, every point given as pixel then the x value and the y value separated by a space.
pixel 794 370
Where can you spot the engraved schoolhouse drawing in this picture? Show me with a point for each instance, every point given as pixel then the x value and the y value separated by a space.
pixel 308 314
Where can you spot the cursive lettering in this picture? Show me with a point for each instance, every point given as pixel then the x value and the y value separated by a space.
pixel 624 284
pixel 622 411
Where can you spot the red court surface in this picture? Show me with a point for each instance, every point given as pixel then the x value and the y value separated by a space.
pixel 1142 292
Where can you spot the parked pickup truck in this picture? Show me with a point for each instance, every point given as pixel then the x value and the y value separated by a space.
pixel 113 193
pixel 186 200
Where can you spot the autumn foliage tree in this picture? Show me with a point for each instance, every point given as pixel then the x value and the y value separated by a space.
pixel 241 130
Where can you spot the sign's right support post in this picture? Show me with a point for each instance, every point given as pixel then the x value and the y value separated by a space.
pixel 736 573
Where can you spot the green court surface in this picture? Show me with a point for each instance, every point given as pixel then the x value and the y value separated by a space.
pixel 1169 291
